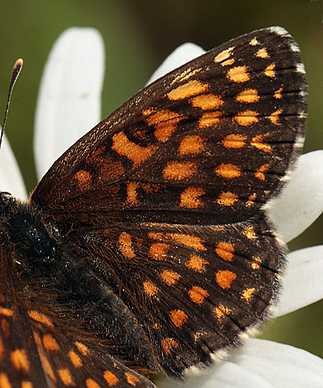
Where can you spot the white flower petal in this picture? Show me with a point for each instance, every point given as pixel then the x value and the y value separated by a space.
pixel 259 364
pixel 10 176
pixel 184 53
pixel 225 375
pixel 230 375
pixel 69 101
pixel 302 282
pixel 282 365
pixel 301 200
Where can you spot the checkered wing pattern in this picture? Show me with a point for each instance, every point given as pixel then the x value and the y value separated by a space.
pixel 149 236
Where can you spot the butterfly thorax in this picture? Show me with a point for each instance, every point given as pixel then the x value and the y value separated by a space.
pixel 22 229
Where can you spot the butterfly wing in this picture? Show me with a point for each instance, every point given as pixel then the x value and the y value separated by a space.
pixel 188 130
pixel 35 352
pixel 165 198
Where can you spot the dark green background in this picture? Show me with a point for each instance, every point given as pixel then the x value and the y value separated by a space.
pixel 138 35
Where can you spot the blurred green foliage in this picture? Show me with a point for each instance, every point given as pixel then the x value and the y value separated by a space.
pixel 138 35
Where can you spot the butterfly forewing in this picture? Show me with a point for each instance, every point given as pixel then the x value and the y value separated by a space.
pixel 157 243
pixel 173 153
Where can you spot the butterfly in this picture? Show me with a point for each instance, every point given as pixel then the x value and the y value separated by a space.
pixel 146 246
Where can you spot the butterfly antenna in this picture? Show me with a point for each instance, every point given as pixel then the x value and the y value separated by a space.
pixel 14 75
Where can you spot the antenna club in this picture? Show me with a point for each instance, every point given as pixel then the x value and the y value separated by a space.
pixel 14 75
pixel 19 62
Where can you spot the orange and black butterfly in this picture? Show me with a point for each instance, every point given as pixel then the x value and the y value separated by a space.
pixel 146 247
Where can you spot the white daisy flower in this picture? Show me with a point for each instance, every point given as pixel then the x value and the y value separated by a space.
pixel 69 105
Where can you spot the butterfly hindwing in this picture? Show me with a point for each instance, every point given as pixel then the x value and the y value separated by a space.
pixel 194 289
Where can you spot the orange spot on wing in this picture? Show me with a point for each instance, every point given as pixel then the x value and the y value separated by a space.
pixel 270 70
pixel 50 343
pixel 165 123
pixel 82 348
pixel 228 62
pixel 188 89
pixel 196 263
pixel 251 199
pixel 20 360
pixel 41 318
pixel 248 96
pixel 75 359
pixel 247 293
pixel 65 376
pixel 132 193
pixel 158 251
pixel 6 312
pixel 190 198
pixel 256 262
pixel 89 383
pixel 260 173
pixel 24 384
pixel 227 199
pixel 234 141
pixel 225 251
pixel 188 240
pixel 125 245
pixel 220 311
pixel 209 118
pixel 179 170
pixel 170 277
pixel 197 295
pixel 223 55
pixel 246 118
pixel 4 381
pixel 168 344
pixel 278 94
pixel 207 101
pixel 228 171
pixel 225 278
pixel 274 117
pixel 150 288
pixel 191 145
pixel 238 74
pixel 178 317
pixel 132 379
pixel 258 142
pixel 110 378
pixel 254 42
pixel 137 154
pixel 249 232
pixel 262 53
pixel 83 179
